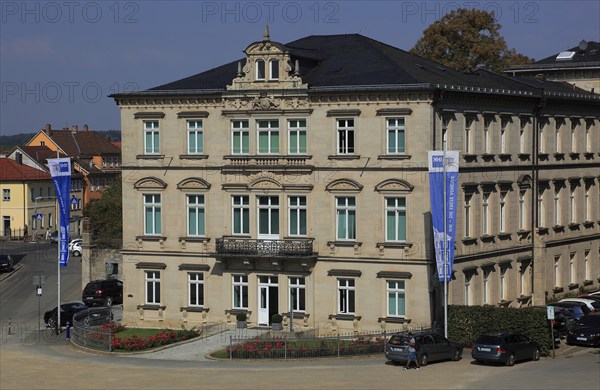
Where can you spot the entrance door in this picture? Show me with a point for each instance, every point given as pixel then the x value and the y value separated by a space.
pixel 6 226
pixel 267 298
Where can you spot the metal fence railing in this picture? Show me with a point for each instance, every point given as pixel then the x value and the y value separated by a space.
pixel 290 347
pixel 93 328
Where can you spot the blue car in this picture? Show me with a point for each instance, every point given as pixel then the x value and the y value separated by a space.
pixel 504 347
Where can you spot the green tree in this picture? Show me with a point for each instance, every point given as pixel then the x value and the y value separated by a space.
pixel 106 213
pixel 467 39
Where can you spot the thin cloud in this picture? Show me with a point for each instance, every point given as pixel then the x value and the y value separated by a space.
pixel 34 47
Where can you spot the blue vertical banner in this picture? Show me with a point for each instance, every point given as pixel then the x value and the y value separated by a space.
pixel 60 170
pixel 437 167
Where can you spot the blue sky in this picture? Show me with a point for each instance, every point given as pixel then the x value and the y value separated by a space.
pixel 60 59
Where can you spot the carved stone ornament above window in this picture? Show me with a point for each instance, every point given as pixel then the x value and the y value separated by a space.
pixel 152 183
pixel 344 185
pixel 193 183
pixel 394 185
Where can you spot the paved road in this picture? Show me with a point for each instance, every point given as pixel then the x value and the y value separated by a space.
pixel 53 364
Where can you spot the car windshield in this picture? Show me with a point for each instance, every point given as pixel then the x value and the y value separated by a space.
pixel 399 339
pixel 488 339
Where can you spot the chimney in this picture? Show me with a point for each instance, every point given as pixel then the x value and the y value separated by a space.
pixel 74 129
pixel 85 128
pixel 48 127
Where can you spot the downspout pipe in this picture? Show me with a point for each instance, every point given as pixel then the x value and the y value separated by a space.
pixel 535 144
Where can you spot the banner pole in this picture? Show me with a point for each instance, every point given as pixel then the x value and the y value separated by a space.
pixel 445 255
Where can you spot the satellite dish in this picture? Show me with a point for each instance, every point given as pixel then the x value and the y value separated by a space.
pixel 583 45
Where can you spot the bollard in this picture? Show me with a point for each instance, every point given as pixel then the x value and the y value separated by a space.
pixel 68 331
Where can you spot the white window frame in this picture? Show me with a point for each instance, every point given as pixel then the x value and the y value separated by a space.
pixel 272 208
pixel 239 282
pixel 523 136
pixel 503 282
pixel 152 129
pixel 557 273
pixel 557 209
pixel 397 209
pixel 297 126
pixel 296 207
pixel 273 64
pixel 588 137
pixel 6 194
pixel 504 132
pixel 541 139
pixel 196 284
pixel 540 206
pixel 468 290
pixel 468 216
pixel 273 137
pixel 243 129
pixel 397 290
pixel 486 286
pixel 572 204
pixel 195 128
pixel 345 131
pixel 557 139
pixel 502 219
pixel 153 204
pixel 152 279
pixel 587 203
pixel 346 296
pixel 258 65
pixel 573 137
pixel 347 210
pixel 397 127
pixel 522 209
pixel 468 134
pixel 487 123
pixel 195 203
pixel 297 293
pixel 485 212
pixel 587 265
pixel 241 203
pixel 572 271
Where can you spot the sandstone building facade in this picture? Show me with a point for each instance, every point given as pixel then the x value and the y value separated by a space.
pixel 294 181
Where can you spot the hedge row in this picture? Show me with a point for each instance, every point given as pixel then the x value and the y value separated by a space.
pixel 465 323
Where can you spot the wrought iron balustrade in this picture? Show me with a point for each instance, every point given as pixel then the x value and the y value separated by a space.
pixel 229 246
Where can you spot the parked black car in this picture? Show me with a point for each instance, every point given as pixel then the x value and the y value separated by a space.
pixel 54 237
pixel 67 310
pixel 103 292
pixel 6 263
pixel 586 331
pixel 430 347
pixel 504 347
pixel 578 309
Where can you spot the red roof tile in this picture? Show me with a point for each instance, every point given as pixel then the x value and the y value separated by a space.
pixel 10 170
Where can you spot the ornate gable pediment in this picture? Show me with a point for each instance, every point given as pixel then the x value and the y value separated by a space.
pixel 193 183
pixel 152 183
pixel 344 185
pixel 268 67
pixel 394 185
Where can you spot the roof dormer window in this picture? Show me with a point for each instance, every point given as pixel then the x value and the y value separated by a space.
pixel 274 69
pixel 260 69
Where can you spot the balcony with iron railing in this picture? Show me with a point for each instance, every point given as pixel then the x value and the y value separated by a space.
pixel 228 246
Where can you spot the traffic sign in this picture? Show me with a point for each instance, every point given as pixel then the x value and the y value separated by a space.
pixel 74 200
pixel 39 216
pixel 550 310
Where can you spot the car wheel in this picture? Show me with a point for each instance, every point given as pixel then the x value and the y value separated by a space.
pixel 511 360
pixel 424 360
pixel 456 355
pixel 76 253
pixel 108 302
pixel 52 322
pixel 536 355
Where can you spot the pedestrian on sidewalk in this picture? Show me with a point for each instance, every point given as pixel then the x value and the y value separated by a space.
pixel 412 352
pixel 48 234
